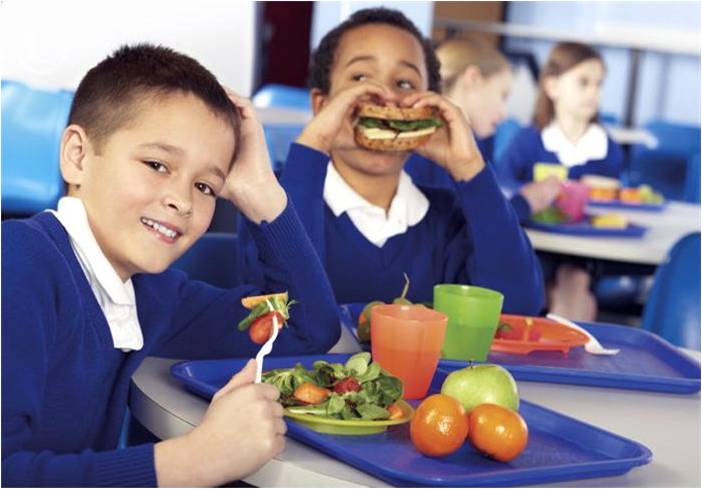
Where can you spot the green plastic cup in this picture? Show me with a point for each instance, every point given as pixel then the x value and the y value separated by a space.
pixel 474 313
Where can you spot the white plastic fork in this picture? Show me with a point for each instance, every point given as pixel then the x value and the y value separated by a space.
pixel 267 346
pixel 592 346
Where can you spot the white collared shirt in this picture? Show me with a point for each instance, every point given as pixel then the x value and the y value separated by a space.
pixel 116 298
pixel 408 207
pixel 591 146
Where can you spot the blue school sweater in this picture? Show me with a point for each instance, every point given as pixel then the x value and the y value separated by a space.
pixel 470 237
pixel 64 385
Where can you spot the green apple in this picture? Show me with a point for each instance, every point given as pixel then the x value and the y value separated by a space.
pixel 480 384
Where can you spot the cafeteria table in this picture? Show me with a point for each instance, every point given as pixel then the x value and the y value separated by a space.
pixel 665 228
pixel 668 424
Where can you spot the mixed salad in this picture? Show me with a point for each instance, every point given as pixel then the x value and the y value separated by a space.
pixel 358 389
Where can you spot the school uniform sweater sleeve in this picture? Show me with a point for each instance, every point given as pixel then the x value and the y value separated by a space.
pixel 501 257
pixel 30 311
pixel 205 322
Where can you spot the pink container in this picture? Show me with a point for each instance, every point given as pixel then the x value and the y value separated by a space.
pixel 573 200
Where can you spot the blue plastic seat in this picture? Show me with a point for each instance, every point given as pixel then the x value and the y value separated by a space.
pixel 214 259
pixel 32 123
pixel 692 179
pixel 665 166
pixel 673 306
pixel 282 96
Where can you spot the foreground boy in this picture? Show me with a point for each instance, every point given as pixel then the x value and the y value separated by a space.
pixel 368 221
pixel 152 140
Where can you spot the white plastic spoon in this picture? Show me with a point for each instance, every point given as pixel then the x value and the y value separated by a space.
pixel 592 346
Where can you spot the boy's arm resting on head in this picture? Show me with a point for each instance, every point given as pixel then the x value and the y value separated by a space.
pixel 205 322
pixel 501 256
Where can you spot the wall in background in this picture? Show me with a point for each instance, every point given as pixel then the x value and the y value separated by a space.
pixel 669 84
pixel 328 14
pixel 52 44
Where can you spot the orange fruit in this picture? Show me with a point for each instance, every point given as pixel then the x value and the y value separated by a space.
pixel 497 431
pixel 439 426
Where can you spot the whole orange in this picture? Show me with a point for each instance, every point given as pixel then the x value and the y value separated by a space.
pixel 439 426
pixel 497 431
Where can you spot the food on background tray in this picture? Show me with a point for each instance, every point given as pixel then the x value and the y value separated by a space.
pixel 643 194
pixel 610 220
pixel 542 171
pixel 363 330
pixel 550 215
pixel 439 426
pixel 357 389
pixel 391 128
pixel 601 188
pixel 263 308
pixel 480 384
pixel 498 432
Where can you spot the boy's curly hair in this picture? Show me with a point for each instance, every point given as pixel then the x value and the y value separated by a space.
pixel 110 95
pixel 323 57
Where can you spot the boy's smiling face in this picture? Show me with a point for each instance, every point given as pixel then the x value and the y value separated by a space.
pixel 149 189
pixel 386 55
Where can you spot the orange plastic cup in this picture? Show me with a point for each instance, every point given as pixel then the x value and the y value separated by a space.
pixel 406 341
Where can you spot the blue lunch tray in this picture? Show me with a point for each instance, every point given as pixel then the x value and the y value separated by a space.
pixel 584 228
pixel 560 448
pixel 645 360
pixel 625 206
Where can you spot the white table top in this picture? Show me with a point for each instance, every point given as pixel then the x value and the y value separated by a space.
pixel 665 228
pixel 668 424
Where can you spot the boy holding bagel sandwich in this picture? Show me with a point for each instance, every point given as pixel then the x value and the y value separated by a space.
pixel 368 221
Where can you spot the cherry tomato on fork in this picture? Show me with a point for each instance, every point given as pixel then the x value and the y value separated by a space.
pixel 262 327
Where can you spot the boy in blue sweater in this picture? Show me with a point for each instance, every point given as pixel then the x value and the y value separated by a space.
pixel 367 220
pixel 152 140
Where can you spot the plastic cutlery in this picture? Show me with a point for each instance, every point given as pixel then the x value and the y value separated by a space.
pixel 592 346
pixel 267 346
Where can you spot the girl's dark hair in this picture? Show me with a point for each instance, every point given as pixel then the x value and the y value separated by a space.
pixel 110 95
pixel 563 57
pixel 323 57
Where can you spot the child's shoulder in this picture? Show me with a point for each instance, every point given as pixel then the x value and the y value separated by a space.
pixel 440 199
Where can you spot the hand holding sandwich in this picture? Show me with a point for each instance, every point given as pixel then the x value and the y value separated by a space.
pixel 452 146
pixel 332 114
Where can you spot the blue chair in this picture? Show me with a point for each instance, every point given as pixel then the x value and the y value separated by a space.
pixel 282 96
pixel 673 306
pixel 665 166
pixel 692 179
pixel 214 259
pixel 32 123
pixel 504 134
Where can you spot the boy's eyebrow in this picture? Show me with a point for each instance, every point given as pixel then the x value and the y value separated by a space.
pixel 168 148
pixel 216 172
pixel 372 58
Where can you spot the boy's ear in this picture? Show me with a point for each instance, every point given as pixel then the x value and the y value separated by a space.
pixel 317 99
pixel 74 148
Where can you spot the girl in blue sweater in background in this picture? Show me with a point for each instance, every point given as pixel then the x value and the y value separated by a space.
pixel 565 130
pixel 152 140
pixel 477 77
pixel 367 220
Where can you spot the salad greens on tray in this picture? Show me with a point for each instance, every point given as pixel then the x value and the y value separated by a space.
pixel 357 389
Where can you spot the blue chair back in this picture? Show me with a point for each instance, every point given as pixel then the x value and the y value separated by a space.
pixel 215 259
pixel 673 306
pixel 504 134
pixel 32 123
pixel 282 96
pixel 692 179
pixel 665 166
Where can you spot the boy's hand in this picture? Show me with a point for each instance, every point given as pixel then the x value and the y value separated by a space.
pixel 541 194
pixel 452 146
pixel 243 429
pixel 338 112
pixel 251 184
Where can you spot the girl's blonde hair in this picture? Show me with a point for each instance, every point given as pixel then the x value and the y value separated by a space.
pixel 563 57
pixel 458 54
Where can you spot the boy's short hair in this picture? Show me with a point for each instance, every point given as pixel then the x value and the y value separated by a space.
pixel 109 95
pixel 324 56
